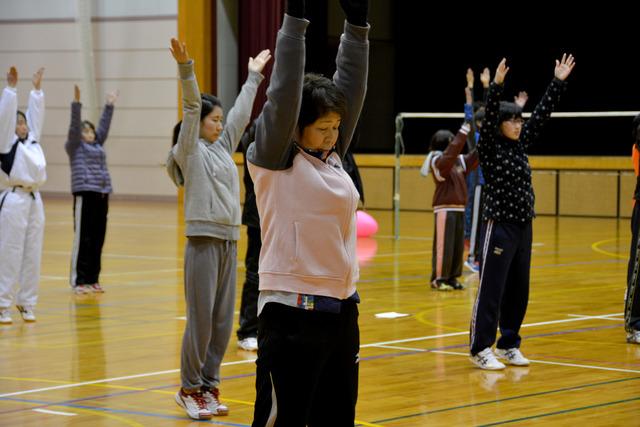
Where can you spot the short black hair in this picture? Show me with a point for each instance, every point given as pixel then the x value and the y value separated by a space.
pixel 440 140
pixel 89 124
pixel 319 97
pixel 20 113
pixel 508 111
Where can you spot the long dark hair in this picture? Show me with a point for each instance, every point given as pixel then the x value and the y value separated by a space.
pixel 209 102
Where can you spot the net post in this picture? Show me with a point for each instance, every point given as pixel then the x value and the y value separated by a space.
pixel 396 176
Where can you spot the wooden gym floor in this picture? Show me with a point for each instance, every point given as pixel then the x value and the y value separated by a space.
pixel 113 359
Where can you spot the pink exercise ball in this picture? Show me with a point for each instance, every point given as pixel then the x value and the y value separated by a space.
pixel 366 225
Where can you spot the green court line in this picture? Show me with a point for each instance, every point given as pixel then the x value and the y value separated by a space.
pixel 564 411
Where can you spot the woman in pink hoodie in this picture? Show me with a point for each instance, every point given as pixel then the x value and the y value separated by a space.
pixel 308 337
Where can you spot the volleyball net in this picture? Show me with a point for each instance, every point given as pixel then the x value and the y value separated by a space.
pixel 620 121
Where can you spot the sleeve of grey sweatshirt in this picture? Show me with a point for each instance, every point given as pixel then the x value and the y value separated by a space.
pixel 191 106
pixel 352 67
pixel 275 126
pixel 240 114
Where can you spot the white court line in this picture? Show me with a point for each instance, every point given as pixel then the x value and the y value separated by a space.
pixel 106 380
pixel 385 236
pixel 121 256
pixel 46 411
pixel 393 347
pixel 401 254
pixel 171 371
pixel 570 114
pixel 123 273
pixel 430 337
pixel 121 224
pixel 604 317
pixel 455 334
pixel 572 365
pixel 130 273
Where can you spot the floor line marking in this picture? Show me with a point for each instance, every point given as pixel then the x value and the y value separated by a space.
pixel 545 362
pixel 46 411
pixel 128 377
pixel 172 371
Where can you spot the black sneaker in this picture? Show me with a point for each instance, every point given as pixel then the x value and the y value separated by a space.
pixel 441 285
pixel 456 285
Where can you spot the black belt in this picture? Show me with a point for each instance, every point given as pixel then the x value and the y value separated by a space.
pixel 25 189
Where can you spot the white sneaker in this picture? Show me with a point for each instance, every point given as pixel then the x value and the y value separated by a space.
pixel 5 315
pixel 634 337
pixel 513 356
pixel 27 313
pixel 248 344
pixel 195 405
pixel 212 397
pixel 473 266
pixel 487 360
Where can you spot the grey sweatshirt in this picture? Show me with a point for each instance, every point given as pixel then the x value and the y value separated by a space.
pixel 207 170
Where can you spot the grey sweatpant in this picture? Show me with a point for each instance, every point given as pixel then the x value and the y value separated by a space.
pixel 209 287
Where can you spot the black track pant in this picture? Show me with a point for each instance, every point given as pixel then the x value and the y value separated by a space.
pixel 249 304
pixel 90 225
pixel 307 367
pixel 503 292
pixel 632 302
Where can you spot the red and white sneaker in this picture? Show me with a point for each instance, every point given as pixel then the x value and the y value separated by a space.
pixel 212 396
pixel 82 289
pixel 195 405
pixel 97 288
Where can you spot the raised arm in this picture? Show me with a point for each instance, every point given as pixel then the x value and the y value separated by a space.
pixel 521 99
pixel 448 159
pixel 191 102
pixel 468 110
pixel 74 138
pixel 492 108
pixel 105 119
pixel 485 79
pixel 240 114
pixel 542 113
pixel 8 109
pixel 276 124
pixel 35 108
pixel 468 96
pixel 352 67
